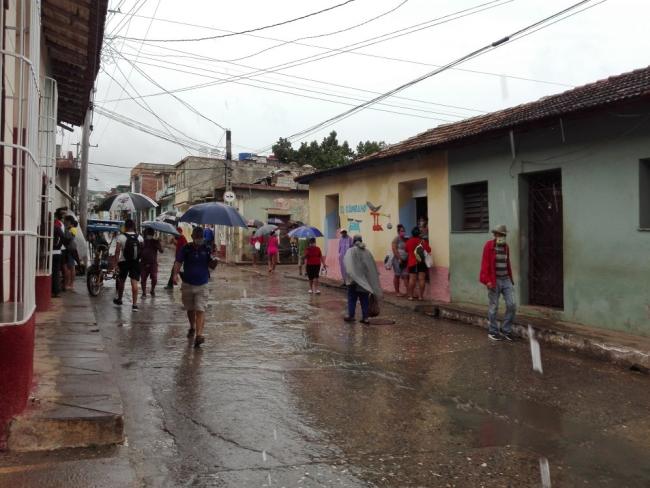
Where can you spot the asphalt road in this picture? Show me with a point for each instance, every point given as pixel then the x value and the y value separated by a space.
pixel 284 393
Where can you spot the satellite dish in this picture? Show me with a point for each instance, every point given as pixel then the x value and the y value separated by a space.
pixel 229 197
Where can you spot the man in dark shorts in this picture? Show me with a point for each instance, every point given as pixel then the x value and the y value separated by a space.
pixel 128 253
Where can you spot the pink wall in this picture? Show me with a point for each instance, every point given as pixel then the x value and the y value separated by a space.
pixel 437 289
pixel 16 367
pixel 43 292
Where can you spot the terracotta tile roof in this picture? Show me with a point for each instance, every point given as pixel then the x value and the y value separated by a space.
pixel 626 86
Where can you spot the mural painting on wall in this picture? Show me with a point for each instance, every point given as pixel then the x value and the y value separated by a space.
pixel 354 224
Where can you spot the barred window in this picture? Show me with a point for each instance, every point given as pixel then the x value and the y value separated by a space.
pixel 469 207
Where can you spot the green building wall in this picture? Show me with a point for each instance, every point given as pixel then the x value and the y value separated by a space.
pixel 606 254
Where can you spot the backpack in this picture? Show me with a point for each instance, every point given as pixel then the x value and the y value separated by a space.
pixel 132 248
pixel 422 256
pixel 388 260
pixel 420 253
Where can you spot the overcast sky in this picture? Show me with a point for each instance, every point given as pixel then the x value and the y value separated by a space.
pixel 605 40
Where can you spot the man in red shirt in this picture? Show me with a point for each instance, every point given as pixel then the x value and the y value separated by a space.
pixel 180 244
pixel 496 275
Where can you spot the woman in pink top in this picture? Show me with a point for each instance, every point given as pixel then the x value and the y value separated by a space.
pixel 272 251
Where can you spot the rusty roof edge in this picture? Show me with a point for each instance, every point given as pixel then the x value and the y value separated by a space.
pixel 393 150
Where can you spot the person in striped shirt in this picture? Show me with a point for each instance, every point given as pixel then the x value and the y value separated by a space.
pixel 496 275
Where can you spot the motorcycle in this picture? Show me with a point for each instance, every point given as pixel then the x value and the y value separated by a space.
pixel 103 265
pixel 98 271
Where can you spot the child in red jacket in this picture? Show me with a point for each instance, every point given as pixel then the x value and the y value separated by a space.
pixel 496 275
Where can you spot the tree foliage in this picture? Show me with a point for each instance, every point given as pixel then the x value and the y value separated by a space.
pixel 328 154
pixel 369 147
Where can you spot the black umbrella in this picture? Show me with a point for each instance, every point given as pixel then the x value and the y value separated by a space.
pixel 128 201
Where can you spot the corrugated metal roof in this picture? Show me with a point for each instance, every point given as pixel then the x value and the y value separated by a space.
pixel 623 87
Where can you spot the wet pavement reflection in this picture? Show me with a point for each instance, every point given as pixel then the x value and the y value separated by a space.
pixel 284 393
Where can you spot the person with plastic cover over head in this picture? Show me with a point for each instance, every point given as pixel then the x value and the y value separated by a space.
pixel 362 279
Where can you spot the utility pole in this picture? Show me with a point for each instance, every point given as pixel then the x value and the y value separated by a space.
pixel 230 234
pixel 79 144
pixel 83 180
pixel 228 178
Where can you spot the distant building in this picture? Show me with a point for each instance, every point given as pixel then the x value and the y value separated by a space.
pixel 197 177
pixel 144 179
pixel 165 191
pixel 66 182
pixel 287 204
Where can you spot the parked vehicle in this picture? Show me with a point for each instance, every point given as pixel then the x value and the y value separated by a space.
pixel 103 265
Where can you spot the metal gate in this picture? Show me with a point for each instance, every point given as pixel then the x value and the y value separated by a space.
pixel 545 270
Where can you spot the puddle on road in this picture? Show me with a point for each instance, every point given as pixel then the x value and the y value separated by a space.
pixel 404 405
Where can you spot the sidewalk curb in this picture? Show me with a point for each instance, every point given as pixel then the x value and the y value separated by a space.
pixel 75 402
pixel 590 342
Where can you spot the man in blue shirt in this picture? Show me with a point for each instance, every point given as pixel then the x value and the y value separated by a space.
pixel 197 260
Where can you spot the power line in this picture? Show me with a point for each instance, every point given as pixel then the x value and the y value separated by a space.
pixel 400 32
pixel 116 166
pixel 151 56
pixel 377 56
pixel 347 29
pixel 358 45
pixel 123 119
pixel 154 82
pixel 478 52
pixel 248 31
pixel 129 16
pixel 166 125
pixel 459 14
pixel 308 90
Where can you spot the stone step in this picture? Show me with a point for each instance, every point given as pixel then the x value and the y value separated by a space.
pixel 76 402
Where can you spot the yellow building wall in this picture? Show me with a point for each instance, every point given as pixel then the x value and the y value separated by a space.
pixel 381 186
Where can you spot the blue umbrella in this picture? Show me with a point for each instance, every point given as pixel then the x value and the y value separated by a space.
pixel 265 230
pixel 163 227
pixel 214 213
pixel 305 231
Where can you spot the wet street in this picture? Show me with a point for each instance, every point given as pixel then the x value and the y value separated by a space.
pixel 284 393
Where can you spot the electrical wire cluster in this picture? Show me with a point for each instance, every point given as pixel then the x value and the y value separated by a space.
pixel 135 53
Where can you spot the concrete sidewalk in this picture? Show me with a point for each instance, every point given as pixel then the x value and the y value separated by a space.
pixel 626 350
pixel 75 402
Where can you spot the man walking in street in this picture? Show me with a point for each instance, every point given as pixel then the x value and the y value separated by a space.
pixel 197 260
pixel 345 243
pixel 149 261
pixel 181 241
pixel 208 235
pixel 496 275
pixel 128 253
